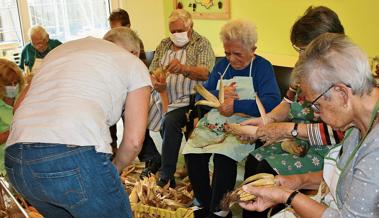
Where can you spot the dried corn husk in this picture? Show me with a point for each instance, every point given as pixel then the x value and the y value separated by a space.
pixel 210 99
pixel 261 109
pixel 239 195
pixel 148 193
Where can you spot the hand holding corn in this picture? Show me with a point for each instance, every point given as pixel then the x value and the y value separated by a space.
pixel 239 195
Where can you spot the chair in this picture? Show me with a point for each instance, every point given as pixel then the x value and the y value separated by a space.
pixel 283 77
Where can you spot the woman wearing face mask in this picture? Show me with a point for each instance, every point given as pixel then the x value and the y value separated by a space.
pixel 11 82
pixel 245 75
pixel 188 58
pixel 40 45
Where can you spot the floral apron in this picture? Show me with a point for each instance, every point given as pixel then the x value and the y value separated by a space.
pixel 210 129
pixel 287 164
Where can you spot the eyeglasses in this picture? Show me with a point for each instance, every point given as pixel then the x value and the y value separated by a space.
pixel 313 105
pixel 298 49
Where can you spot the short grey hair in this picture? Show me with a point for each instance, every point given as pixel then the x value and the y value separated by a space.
pixel 180 14
pixel 125 37
pixel 38 30
pixel 332 58
pixel 243 31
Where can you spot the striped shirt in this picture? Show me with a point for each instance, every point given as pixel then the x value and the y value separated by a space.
pixel 198 52
pixel 318 133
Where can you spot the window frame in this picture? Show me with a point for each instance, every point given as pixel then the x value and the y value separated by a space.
pixel 23 13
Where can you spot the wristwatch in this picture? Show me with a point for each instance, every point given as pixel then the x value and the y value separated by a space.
pixel 294 131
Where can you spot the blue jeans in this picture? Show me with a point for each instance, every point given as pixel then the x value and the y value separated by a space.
pixel 67 181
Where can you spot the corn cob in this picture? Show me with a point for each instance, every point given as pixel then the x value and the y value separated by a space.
pixel 292 147
pixel 238 195
pixel 258 177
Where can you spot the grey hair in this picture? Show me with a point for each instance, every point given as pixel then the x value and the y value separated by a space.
pixel 180 14
pixel 125 37
pixel 243 31
pixel 38 30
pixel 331 59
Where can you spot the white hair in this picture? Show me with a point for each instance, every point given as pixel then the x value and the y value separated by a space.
pixel 124 36
pixel 38 30
pixel 243 31
pixel 332 58
pixel 180 14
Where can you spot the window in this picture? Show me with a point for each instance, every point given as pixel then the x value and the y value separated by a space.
pixel 10 29
pixel 67 20
pixel 63 19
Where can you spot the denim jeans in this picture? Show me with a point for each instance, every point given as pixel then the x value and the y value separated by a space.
pixel 172 135
pixel 67 181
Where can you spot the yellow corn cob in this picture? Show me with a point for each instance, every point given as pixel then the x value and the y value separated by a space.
pixel 292 147
pixel 246 197
pixel 263 182
pixel 257 177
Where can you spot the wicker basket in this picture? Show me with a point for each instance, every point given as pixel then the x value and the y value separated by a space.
pixel 144 211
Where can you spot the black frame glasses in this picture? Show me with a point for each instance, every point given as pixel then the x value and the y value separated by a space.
pixel 314 107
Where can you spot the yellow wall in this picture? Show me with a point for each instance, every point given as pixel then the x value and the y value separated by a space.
pixel 273 18
pixel 147 19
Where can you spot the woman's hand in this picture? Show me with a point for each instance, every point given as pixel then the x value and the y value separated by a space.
pixel 230 91
pixel 293 182
pixel 253 122
pixel 266 197
pixel 274 132
pixel 159 86
pixel 175 67
pixel 226 109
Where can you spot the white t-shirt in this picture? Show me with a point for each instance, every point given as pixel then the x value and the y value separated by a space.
pixel 78 93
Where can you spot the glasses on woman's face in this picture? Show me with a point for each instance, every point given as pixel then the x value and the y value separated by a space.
pixel 298 49
pixel 313 104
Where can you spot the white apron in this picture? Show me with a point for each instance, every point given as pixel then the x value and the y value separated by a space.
pixel 229 146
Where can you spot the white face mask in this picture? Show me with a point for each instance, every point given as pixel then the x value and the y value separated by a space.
pixel 11 91
pixel 180 39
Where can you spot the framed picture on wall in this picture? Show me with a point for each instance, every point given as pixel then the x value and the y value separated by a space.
pixel 205 9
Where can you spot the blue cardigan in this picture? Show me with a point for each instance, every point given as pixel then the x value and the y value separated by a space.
pixel 264 82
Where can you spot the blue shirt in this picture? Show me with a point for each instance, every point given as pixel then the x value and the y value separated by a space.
pixel 264 82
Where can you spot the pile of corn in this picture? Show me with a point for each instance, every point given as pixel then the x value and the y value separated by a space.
pixel 148 193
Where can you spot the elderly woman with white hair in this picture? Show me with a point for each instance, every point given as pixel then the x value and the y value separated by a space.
pixel 335 76
pixel 245 76
pixel 188 57
pixel 40 45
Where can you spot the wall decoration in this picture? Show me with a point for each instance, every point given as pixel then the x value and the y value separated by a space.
pixel 205 9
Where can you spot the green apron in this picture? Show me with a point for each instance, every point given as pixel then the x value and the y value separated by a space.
pixel 287 164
